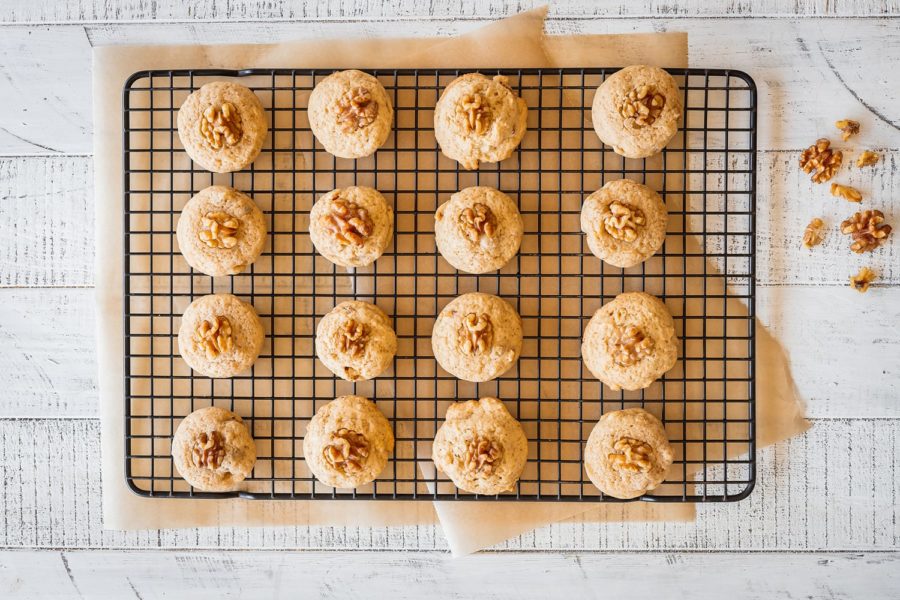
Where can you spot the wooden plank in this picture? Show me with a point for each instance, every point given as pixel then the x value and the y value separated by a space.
pixel 21 11
pixel 832 489
pixel 47 89
pixel 212 575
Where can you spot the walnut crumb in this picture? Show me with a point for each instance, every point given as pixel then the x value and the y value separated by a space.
pixel 814 233
pixel 861 281
pixel 848 128
pixel 867 159
pixel 820 160
pixel 850 194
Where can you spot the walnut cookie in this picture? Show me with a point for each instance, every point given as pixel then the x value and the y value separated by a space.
pixel 630 341
pixel 481 447
pixel 477 337
pixel 350 113
pixel 478 230
pixel 212 450
pixel 628 453
pixel 221 231
pixel 348 442
pixel 479 119
pixel 220 335
pixel 637 111
pixel 356 341
pixel 352 226
pixel 222 126
pixel 624 222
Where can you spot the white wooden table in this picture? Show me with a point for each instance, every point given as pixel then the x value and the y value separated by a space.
pixel 824 520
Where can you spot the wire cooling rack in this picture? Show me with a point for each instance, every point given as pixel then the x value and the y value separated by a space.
pixel 704 273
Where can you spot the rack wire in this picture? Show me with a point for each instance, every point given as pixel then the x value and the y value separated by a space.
pixel 704 273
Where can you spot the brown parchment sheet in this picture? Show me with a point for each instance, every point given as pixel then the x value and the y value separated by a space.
pixel 513 42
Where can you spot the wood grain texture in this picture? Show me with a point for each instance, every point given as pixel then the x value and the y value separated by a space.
pixel 47 90
pixel 329 575
pixel 23 11
pixel 830 489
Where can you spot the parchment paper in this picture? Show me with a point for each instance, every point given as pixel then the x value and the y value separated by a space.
pixel 513 42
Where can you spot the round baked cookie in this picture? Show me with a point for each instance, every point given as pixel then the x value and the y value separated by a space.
pixel 351 226
pixel 625 223
pixel 350 113
pixel 636 111
pixel 627 453
pixel 348 442
pixel 477 337
pixel 212 450
pixel 356 341
pixel 630 341
pixel 479 119
pixel 221 231
pixel 220 335
pixel 222 126
pixel 478 230
pixel 481 447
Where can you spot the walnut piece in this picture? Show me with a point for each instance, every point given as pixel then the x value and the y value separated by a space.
pixel 476 112
pixel 218 229
pixel 481 456
pixel 631 455
pixel 477 221
pixel 820 160
pixel 353 338
pixel 848 128
pixel 628 345
pixel 476 334
pixel 814 233
pixel 622 221
pixel 208 450
pixel 357 109
pixel 347 451
pixel 850 194
pixel 349 222
pixel 867 159
pixel 214 337
pixel 867 229
pixel 861 281
pixel 221 126
pixel 642 106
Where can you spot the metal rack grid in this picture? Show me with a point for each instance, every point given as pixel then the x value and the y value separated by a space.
pixel 705 274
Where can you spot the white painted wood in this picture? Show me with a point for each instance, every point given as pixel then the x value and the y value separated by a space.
pixel 46 90
pixel 831 489
pixel 330 575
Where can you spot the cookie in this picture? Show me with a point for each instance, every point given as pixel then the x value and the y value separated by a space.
pixel 627 453
pixel 350 113
pixel 348 442
pixel 221 231
pixel 630 341
pixel 625 223
pixel 212 450
pixel 477 337
pixel 479 119
pixel 222 126
pixel 636 111
pixel 220 336
pixel 352 226
pixel 478 230
pixel 481 447
pixel 356 341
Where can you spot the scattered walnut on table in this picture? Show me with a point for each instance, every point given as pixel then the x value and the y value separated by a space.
pixel 476 334
pixel 867 229
pixel 221 126
pixel 353 338
pixel 622 221
pixel 208 450
pixel 861 281
pixel 867 159
pixel 848 128
pixel 814 233
pixel 347 451
pixel 477 221
pixel 481 456
pixel 628 345
pixel 631 455
pixel 214 337
pixel 349 222
pixel 357 109
pixel 642 106
pixel 476 112
pixel 218 229
pixel 820 160
pixel 850 194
